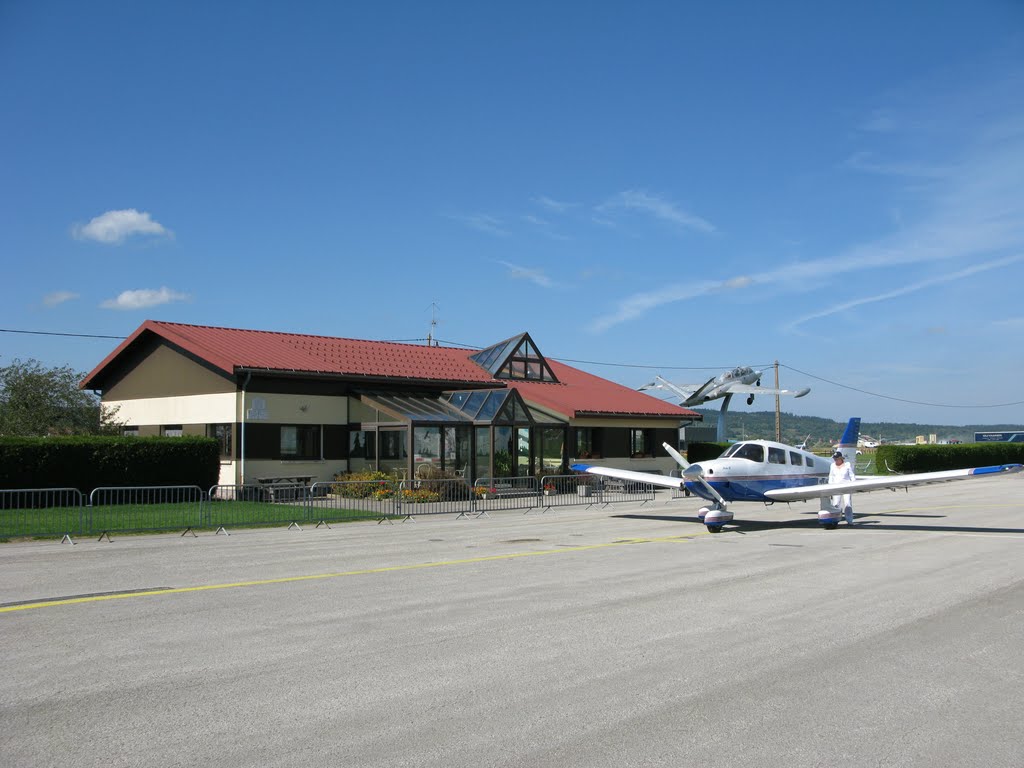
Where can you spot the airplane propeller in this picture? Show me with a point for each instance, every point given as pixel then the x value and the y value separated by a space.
pixel 695 473
pixel 676 455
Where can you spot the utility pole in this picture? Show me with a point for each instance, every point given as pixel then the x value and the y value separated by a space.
pixel 778 412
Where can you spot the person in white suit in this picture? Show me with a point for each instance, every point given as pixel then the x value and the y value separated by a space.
pixel 840 472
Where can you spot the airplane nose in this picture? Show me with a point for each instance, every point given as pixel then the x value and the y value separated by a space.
pixel 693 471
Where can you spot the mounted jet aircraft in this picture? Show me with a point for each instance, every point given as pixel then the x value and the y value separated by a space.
pixel 739 381
pixel 766 472
pixel 743 380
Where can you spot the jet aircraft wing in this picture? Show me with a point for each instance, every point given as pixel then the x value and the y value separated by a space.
pixel 888 482
pixel 751 389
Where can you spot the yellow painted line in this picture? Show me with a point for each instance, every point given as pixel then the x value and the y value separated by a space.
pixel 363 572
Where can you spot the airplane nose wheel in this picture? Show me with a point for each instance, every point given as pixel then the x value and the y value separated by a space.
pixel 715 517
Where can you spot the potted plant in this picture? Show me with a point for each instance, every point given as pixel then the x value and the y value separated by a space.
pixel 549 489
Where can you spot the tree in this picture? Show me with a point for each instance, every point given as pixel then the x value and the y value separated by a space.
pixel 38 401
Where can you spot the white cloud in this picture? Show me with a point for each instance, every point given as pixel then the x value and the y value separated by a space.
pixel 482 222
pixel 114 227
pixel 880 121
pixel 637 200
pixel 866 162
pixel 907 289
pixel 58 297
pixel 1009 324
pixel 640 303
pixel 144 298
pixel 535 276
pixel 555 206
pixel 543 226
pixel 971 209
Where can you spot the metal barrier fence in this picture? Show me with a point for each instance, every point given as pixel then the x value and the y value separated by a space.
pixel 64 511
pixel 495 493
pixel 574 490
pixel 345 500
pixel 385 500
pixel 146 508
pixel 41 512
pixel 241 506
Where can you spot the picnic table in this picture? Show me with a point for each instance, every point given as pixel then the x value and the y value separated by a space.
pixel 285 487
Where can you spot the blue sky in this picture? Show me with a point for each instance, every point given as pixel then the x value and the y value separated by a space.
pixel 647 188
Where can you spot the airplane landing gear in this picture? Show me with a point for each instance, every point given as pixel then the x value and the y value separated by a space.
pixel 828 516
pixel 715 517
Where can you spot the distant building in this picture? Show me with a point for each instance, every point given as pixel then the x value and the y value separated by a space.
pixel 999 437
pixel 284 404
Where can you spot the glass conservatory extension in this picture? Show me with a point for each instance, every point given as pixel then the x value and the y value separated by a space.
pixel 470 434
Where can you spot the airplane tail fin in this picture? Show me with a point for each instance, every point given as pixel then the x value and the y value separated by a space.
pixel 848 442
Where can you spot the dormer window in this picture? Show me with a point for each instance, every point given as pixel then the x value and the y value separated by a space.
pixel 517 358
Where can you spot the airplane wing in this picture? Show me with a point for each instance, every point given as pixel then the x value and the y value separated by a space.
pixel 890 482
pixel 631 475
pixel 684 391
pixel 751 389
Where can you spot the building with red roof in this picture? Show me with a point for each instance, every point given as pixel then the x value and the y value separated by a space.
pixel 310 407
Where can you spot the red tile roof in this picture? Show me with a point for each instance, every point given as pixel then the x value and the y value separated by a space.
pixel 232 349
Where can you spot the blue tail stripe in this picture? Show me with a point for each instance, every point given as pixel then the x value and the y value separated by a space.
pixel 852 432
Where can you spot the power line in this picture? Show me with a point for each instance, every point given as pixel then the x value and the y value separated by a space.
pixel 623 365
pixel 610 365
pixel 898 399
pixel 54 333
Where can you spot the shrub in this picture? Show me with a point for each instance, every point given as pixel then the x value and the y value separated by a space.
pixel 89 462
pixel 934 458
pixel 363 485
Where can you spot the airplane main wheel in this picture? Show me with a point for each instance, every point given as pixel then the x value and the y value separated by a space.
pixel 831 526
pixel 714 529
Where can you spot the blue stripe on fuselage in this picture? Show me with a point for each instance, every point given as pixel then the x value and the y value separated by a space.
pixel 753 487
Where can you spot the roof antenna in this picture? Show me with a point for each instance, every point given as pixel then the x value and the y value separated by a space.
pixel 433 324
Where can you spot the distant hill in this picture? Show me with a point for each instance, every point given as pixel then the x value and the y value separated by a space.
pixel 761 425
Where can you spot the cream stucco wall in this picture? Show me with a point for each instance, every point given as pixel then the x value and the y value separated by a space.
pixel 295 409
pixel 183 409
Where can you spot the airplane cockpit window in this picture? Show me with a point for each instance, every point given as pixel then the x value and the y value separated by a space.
pixel 776 456
pixel 730 451
pixel 796 459
pixel 751 451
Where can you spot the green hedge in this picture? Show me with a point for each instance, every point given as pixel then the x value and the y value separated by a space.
pixel 92 462
pixel 905 459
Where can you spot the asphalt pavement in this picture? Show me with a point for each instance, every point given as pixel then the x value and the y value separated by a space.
pixel 618 636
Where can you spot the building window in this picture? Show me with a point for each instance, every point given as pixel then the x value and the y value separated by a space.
pixel 426 445
pixel 222 434
pixel 130 431
pixel 392 444
pixel 171 430
pixel 362 444
pixel 300 441
pixel 640 441
pixel 588 443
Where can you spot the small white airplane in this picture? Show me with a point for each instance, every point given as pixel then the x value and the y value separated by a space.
pixel 743 380
pixel 767 472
